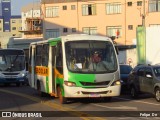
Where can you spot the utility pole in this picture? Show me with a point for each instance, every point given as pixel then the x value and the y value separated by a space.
pixel 144 14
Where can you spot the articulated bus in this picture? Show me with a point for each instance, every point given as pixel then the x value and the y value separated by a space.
pixel 63 67
pixel 12 66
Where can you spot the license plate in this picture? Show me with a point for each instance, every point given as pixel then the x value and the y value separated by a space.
pixel 94 95
pixel 21 80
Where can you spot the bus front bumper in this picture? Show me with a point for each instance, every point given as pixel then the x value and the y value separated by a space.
pixel 79 92
pixel 13 80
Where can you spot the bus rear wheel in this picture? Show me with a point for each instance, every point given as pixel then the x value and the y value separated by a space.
pixel 62 99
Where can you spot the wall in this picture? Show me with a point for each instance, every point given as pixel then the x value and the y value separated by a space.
pixel 148 45
pixel 152 45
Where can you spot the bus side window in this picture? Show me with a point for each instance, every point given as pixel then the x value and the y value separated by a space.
pixel 45 55
pixel 59 59
pixel 38 60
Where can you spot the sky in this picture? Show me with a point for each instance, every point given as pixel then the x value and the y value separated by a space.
pixel 16 5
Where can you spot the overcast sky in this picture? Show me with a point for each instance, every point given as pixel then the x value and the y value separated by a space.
pixel 16 5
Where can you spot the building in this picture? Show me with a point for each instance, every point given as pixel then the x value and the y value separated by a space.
pixel 31 21
pixel 118 18
pixel 8 22
pixel 16 26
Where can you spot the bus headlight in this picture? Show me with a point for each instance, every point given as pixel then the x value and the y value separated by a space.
pixel 23 74
pixel 70 84
pixel 117 82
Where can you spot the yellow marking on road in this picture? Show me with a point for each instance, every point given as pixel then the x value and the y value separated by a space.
pixel 80 114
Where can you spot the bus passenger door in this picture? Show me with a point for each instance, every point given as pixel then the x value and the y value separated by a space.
pixel 59 65
pixel 53 69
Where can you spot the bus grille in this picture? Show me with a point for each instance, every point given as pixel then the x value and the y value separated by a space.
pixel 103 92
pixel 10 73
pixel 95 84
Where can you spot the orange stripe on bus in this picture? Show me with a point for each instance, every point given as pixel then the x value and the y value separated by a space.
pixel 58 74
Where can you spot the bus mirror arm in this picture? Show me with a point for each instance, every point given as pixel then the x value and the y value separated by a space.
pixel 117 51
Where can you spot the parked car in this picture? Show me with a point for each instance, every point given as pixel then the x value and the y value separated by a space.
pixel 124 73
pixel 145 79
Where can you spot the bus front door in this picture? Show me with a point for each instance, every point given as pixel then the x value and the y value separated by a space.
pixel 53 69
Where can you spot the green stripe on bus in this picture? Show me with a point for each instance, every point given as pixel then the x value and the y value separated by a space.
pixel 53 42
pixel 77 78
pixel 47 84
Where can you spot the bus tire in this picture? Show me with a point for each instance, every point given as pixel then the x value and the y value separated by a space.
pixel 62 99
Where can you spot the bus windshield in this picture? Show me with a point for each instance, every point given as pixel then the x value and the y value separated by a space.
pixel 90 56
pixel 12 60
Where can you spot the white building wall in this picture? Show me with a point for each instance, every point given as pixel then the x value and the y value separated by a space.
pixel 152 45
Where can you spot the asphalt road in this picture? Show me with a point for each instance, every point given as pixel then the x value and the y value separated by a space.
pixel 24 103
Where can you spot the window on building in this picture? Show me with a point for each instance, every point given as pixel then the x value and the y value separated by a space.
pixel 6 22
pixel 52 33
pixel 20 28
pixel 130 27
pixel 89 9
pixel 52 11
pixel 13 28
pixel 65 29
pixel 14 35
pixel 64 7
pixel 114 31
pixel 129 3
pixel 90 30
pixel 154 5
pixel 73 7
pixel 6 9
pixel 113 8
pixel 73 29
pixel 13 21
pixel 139 3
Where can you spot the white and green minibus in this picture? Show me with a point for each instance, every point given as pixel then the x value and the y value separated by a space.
pixel 62 67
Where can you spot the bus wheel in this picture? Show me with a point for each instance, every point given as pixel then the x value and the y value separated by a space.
pixel 62 99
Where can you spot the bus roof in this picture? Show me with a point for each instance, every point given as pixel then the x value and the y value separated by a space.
pixel 73 37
